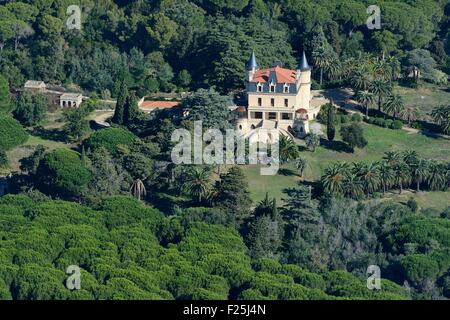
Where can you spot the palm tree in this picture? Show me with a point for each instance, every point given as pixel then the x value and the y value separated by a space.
pixel 370 177
pixel 410 157
pixel 347 68
pixel 381 69
pixel 394 105
pixel 395 67
pixel 353 186
pixel 333 181
pixel 402 175
pixel 381 89
pixel 419 172
pixel 365 98
pixel 437 176
pixel 301 164
pixel 386 175
pixel 198 182
pixel 312 141
pixel 409 113
pixel 392 157
pixel 322 60
pixel 333 68
pixel 441 115
pixel 138 189
pixel 361 79
pixel 288 149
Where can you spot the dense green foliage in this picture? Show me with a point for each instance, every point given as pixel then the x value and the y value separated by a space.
pixel 30 109
pixel 11 133
pixel 141 227
pixel 5 100
pixel 118 248
pixel 110 139
pixel 63 173
pixel 160 44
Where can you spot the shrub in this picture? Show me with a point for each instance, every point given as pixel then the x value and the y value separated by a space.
pixel 379 122
pixel 396 125
pixel 416 125
pixel 337 118
pixel 412 204
pixel 388 123
pixel 353 135
pixel 345 118
pixel 110 139
pixel 356 117
pixel 11 133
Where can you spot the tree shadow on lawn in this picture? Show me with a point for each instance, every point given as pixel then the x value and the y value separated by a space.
pixel 49 134
pixel 287 172
pixel 338 146
pixel 316 189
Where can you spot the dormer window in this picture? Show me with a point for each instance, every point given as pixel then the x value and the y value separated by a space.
pixel 286 88
pixel 272 87
pixel 259 87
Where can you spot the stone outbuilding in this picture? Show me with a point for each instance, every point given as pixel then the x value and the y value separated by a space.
pixel 35 86
pixel 70 100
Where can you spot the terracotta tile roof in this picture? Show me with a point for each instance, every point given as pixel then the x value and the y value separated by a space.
pixel 150 105
pixel 283 75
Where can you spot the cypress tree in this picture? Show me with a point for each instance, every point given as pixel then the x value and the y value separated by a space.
pixel 131 110
pixel 118 117
pixel 331 130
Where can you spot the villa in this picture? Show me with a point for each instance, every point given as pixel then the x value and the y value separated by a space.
pixel 278 98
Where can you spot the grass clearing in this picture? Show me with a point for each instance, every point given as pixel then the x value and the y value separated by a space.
pixel 426 97
pixel 18 153
pixel 380 141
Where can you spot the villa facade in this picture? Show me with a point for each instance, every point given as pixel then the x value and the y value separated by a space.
pixel 278 98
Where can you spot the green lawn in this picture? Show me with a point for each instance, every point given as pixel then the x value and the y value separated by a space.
pixel 380 140
pixel 425 98
pixel 18 153
pixel 436 200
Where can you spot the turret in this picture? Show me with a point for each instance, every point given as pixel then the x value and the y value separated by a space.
pixel 304 82
pixel 251 67
pixel 304 66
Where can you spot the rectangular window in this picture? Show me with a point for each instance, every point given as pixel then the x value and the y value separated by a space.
pixel 272 102
pixel 259 88
pixel 259 102
pixel 286 103
pixel 258 115
pixel 272 116
pixel 286 116
pixel 286 89
pixel 272 88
